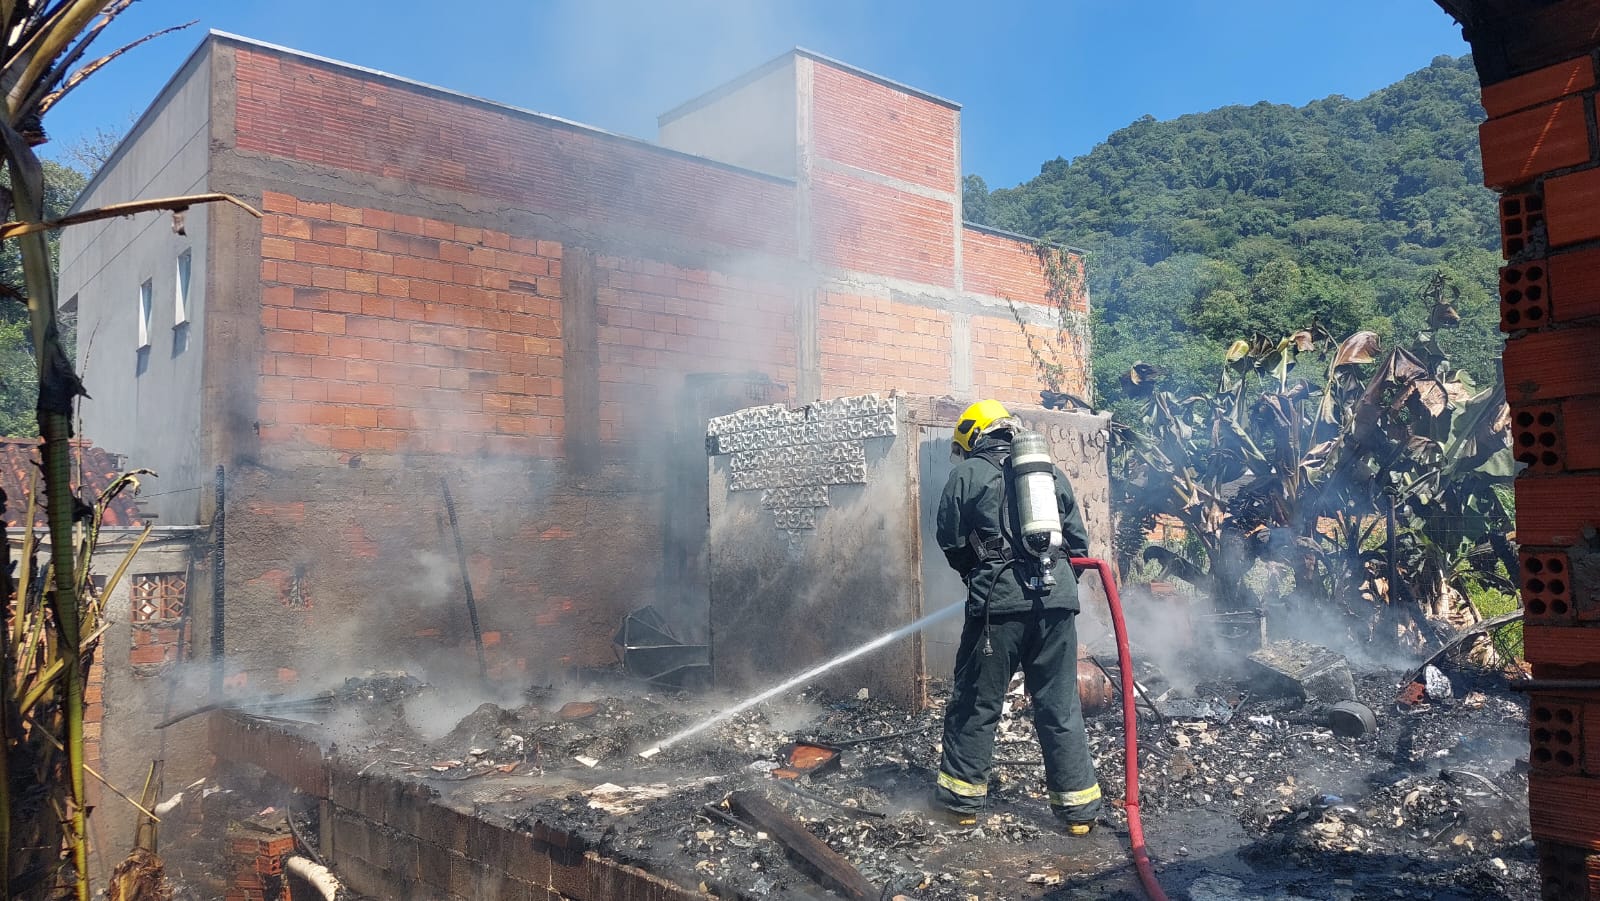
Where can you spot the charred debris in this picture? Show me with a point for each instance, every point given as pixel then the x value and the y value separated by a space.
pixel 1292 775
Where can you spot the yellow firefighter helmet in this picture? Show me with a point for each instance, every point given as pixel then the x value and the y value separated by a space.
pixel 975 420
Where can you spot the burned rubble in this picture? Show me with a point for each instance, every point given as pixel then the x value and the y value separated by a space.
pixel 1246 788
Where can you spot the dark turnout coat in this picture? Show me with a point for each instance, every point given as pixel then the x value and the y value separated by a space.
pixel 971 506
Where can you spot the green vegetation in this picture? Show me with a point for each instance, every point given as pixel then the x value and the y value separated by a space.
pixel 19 375
pixel 1491 599
pixel 54 631
pixel 1257 221
pixel 1302 454
pixel 1361 231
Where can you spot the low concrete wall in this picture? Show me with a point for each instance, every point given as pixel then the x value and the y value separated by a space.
pixel 392 838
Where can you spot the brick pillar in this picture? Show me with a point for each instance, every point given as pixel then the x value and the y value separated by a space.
pixel 256 850
pixel 94 715
pixel 1541 151
pixel 580 355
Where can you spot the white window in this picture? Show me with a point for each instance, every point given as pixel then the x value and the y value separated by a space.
pixel 181 302
pixel 146 294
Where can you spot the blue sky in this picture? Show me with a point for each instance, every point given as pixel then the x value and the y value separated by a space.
pixel 1037 80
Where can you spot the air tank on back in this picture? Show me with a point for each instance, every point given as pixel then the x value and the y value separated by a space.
pixel 1034 484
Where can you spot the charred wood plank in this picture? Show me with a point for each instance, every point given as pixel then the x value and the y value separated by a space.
pixel 808 852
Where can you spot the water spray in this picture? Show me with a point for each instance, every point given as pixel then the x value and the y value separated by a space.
pixel 803 678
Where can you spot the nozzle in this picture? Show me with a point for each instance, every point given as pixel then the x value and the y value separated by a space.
pixel 648 753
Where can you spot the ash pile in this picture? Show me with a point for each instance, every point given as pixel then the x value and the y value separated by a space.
pixel 1293 777
pixel 1337 784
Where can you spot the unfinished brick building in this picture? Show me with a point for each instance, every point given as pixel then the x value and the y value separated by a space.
pixel 542 313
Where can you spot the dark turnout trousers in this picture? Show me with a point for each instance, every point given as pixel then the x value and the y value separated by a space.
pixel 1045 647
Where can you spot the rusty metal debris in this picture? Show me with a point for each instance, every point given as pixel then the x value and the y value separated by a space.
pixel 466 581
pixel 807 759
pixel 578 710
pixel 650 651
pixel 1095 693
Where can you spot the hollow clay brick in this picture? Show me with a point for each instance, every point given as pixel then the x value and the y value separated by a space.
pixel 1539 86
pixel 1519 147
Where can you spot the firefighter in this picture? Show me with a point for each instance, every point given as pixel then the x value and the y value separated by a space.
pixel 1012 622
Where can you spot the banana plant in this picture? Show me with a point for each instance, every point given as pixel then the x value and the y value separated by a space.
pixel 1301 470
pixel 1450 502
pixel 34 812
pixel 43 57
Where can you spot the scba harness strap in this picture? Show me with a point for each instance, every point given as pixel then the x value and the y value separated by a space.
pixel 998 548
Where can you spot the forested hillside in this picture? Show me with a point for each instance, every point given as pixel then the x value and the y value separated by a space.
pixel 1263 219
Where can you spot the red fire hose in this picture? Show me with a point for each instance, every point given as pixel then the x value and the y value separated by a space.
pixel 1130 727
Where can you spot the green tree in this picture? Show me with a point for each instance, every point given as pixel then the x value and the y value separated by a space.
pixel 975 200
pixel 19 383
pixel 1257 220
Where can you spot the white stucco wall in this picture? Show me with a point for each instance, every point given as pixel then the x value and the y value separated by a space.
pixel 752 125
pixel 145 404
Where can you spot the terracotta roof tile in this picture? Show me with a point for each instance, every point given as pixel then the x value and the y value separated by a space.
pixel 93 469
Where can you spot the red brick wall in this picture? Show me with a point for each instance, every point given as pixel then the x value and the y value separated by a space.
pixel 1548 169
pixel 94 717
pixel 387 332
pixel 874 344
pixel 1538 150
pixel 658 322
pixel 867 227
pixel 1538 124
pixel 1006 267
pixel 861 123
pixel 300 110
pixel 1003 368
